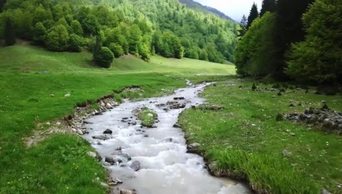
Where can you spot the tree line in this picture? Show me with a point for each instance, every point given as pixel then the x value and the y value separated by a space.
pixel 112 28
pixel 291 39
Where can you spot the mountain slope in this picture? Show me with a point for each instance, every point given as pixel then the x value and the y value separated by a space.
pixel 196 5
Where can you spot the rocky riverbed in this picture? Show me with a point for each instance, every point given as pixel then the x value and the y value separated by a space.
pixel 153 160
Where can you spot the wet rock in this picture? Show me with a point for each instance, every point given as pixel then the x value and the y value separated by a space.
pixel 101 137
pixel 112 160
pixel 179 98
pixel 108 131
pixel 127 191
pixel 176 125
pixel 175 104
pixel 194 147
pixel 114 182
pixel 87 122
pixel 135 165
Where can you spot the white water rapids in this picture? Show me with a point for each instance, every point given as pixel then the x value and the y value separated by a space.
pixel 164 166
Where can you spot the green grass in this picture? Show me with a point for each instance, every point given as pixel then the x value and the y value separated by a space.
pixel 33 84
pixel 246 141
pixel 147 117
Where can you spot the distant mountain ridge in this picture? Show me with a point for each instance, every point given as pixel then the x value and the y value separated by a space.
pixel 196 5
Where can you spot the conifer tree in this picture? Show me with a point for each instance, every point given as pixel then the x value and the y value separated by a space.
pixel 268 5
pixel 252 15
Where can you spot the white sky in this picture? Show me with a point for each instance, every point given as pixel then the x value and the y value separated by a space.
pixel 233 8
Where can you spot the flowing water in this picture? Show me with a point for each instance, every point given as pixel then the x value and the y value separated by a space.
pixel 155 160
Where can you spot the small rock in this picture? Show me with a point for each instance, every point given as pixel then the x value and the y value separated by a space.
pixel 67 95
pixel 108 131
pixel 101 137
pixel 286 153
pixel 176 125
pixel 324 191
pixel 193 147
pixel 135 165
pixel 126 191
pixel 179 98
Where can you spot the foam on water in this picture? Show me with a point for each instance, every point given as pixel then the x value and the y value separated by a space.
pixel 165 165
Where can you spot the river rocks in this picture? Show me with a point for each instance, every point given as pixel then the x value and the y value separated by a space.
pixel 127 191
pixel 175 104
pixel 108 131
pixel 113 160
pixel 176 125
pixel 193 148
pixel 101 137
pixel 179 98
pixel 322 117
pixel 135 165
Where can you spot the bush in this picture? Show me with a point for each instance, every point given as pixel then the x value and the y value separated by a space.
pixel 75 43
pixel 103 57
pixel 117 50
pixel 39 33
pixel 58 38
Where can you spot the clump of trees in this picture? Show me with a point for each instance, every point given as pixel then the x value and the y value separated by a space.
pixel 301 40
pixel 140 28
pixel 319 57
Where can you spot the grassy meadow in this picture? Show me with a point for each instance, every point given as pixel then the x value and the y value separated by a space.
pixel 245 140
pixel 34 83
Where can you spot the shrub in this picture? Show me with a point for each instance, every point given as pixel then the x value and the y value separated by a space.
pixel 75 43
pixel 103 57
pixel 57 39
pixel 117 50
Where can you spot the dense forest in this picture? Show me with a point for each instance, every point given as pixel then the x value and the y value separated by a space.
pixel 291 39
pixel 112 28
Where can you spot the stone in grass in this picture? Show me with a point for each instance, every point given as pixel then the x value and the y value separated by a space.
pixel 286 153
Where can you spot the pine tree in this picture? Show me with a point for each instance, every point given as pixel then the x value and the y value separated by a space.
pixel 289 29
pixel 243 26
pixel 252 15
pixel 9 32
pixel 268 5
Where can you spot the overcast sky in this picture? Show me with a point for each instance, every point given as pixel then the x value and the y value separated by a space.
pixel 233 8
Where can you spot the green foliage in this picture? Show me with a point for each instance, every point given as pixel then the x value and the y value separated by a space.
pixel 75 43
pixel 318 58
pixel 116 49
pixel 103 57
pixel 57 38
pixel 147 117
pixel 76 27
pixel 39 32
pixel 255 51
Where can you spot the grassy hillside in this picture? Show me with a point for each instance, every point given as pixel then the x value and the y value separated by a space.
pixel 33 83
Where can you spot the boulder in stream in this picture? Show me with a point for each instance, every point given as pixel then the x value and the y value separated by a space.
pixel 135 165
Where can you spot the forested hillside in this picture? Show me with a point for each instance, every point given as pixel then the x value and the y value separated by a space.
pixel 289 39
pixel 194 4
pixel 139 27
